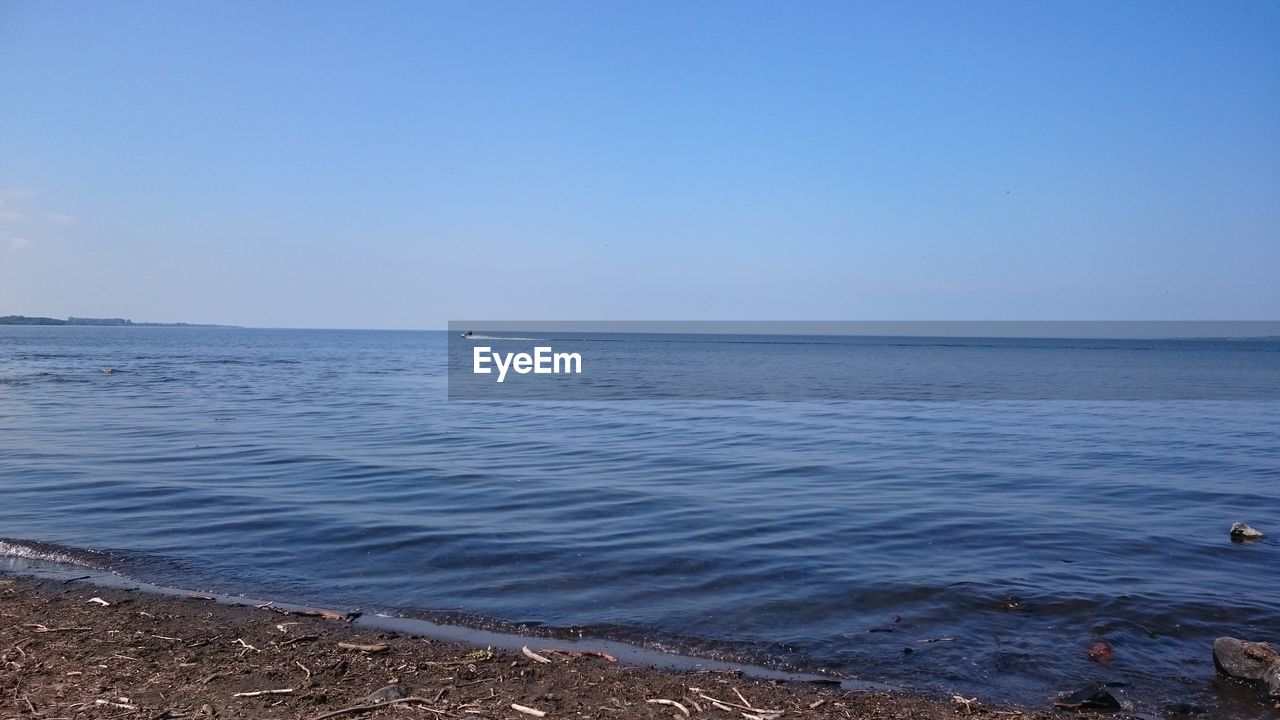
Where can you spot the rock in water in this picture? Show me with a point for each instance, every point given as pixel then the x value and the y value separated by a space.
pixel 1252 661
pixel 1241 531
pixel 1093 697
pixel 1243 659
pixel 1101 652
pixel 1271 682
pixel 386 694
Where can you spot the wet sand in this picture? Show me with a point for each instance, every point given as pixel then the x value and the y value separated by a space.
pixel 66 654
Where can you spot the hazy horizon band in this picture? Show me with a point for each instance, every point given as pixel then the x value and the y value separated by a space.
pixel 1063 329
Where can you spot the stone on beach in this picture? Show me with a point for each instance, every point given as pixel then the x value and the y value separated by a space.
pixel 387 694
pixel 1094 697
pixel 1241 531
pixel 1252 661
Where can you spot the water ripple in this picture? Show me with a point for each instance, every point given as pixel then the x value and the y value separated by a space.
pixel 325 467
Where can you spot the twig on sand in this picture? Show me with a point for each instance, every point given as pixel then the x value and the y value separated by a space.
pixel 125 706
pixel 375 706
pixel 582 653
pixel 968 703
pixel 528 710
pixel 42 629
pixel 304 669
pixel 246 645
pixel 97 600
pixel 672 703
pixel 756 713
pixel 725 704
pixel 257 693
pixel 533 655
pixel 380 647
pixel 300 638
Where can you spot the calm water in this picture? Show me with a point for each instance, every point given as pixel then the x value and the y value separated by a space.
pixel 327 467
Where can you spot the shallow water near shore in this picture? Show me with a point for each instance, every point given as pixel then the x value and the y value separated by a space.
pixel 995 540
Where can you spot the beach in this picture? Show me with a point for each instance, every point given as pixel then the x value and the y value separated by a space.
pixel 70 649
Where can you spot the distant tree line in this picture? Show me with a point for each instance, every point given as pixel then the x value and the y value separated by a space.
pixel 98 321
pixel 26 320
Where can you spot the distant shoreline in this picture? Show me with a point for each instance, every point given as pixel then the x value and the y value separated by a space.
pixel 97 322
pixel 1222 330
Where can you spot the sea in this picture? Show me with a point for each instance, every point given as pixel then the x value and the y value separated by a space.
pixel 977 546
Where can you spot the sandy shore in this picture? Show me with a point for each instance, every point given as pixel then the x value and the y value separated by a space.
pixel 72 650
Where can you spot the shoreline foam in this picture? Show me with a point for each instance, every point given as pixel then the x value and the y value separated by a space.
pixel 44 566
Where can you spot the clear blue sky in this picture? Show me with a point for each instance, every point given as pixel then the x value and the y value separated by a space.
pixel 402 164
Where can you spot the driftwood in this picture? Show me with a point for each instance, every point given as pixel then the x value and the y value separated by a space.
pixel 257 693
pixel 967 703
pixel 533 655
pixel 42 629
pixel 582 653
pixel 300 638
pixel 672 703
pixel 528 710
pixel 316 612
pixel 728 706
pixel 378 648
pixel 374 706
